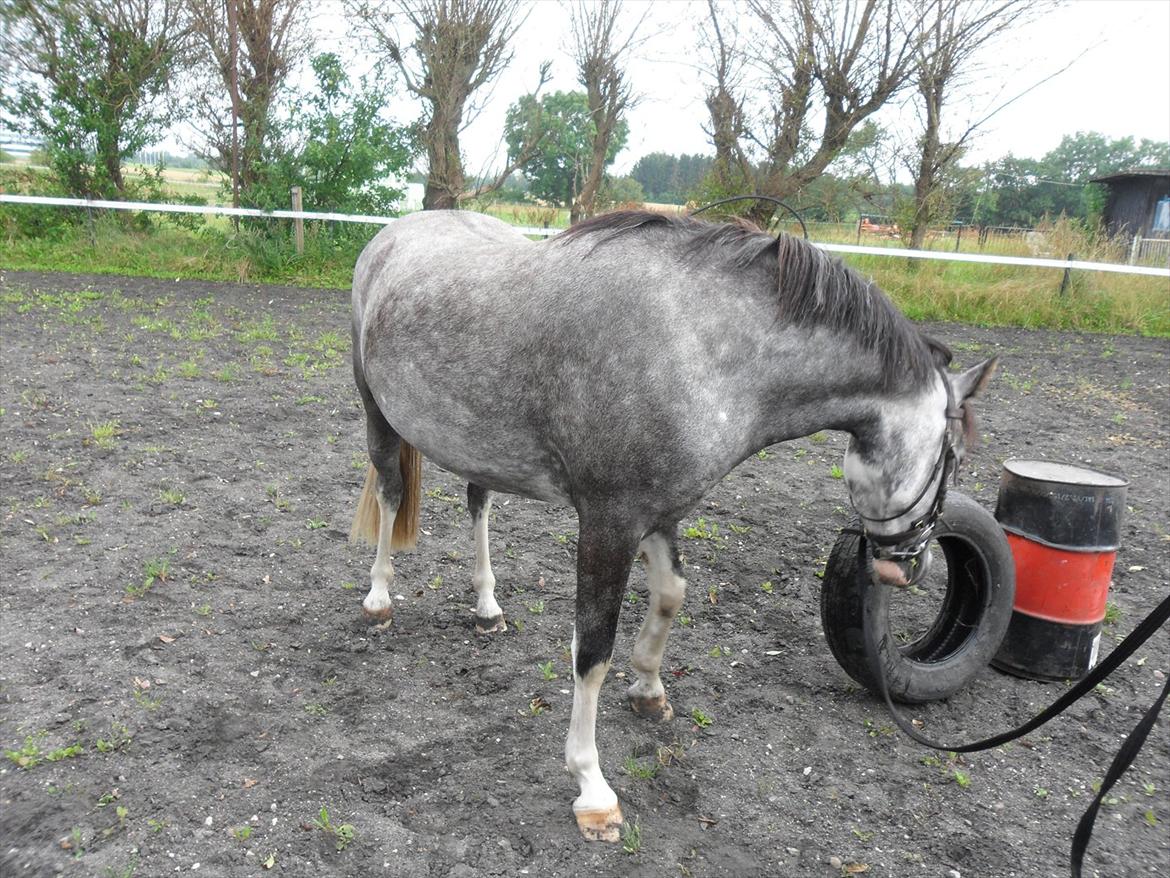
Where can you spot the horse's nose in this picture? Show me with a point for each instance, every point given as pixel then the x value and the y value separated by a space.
pixel 902 573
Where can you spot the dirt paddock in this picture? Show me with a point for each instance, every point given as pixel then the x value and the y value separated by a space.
pixel 186 681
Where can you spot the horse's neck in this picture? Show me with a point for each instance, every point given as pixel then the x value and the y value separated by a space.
pixel 831 383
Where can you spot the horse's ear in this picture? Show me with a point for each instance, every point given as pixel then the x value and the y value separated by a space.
pixel 971 383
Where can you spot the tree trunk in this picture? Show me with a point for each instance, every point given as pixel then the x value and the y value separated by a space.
pixel 925 181
pixel 445 180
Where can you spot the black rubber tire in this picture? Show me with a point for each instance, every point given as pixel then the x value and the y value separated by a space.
pixel 972 619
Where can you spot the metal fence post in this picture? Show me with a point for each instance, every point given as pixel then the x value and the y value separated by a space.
pixel 298 223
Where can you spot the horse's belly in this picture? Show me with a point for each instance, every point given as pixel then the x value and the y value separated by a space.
pixel 493 450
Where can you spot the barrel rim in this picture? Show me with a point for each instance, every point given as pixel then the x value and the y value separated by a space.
pixel 1121 481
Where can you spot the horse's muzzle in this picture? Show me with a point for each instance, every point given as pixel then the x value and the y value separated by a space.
pixel 902 572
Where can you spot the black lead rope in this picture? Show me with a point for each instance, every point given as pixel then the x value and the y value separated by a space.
pixel 1125 755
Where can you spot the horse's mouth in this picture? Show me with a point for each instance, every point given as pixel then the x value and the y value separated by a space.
pixel 902 574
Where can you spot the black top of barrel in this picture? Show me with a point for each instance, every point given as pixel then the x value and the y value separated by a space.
pixel 1062 473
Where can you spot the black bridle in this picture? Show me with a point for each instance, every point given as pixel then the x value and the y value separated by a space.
pixel 908 544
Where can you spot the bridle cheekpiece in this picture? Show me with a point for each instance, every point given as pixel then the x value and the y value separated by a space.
pixel 909 544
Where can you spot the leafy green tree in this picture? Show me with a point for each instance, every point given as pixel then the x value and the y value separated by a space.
pixel 91 79
pixel 1020 191
pixel 563 157
pixel 337 147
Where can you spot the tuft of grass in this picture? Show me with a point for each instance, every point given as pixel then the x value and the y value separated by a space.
pixel 103 434
pixel 154 570
pixel 636 769
pixel 632 836
pixel 701 719
pixel 343 834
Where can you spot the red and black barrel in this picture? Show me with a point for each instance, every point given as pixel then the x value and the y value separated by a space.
pixel 1063 523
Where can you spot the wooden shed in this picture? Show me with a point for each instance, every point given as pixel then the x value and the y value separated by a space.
pixel 1138 202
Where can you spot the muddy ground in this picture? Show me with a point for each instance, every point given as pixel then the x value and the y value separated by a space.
pixel 186 680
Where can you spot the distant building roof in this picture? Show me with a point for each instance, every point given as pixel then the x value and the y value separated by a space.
pixel 1131 173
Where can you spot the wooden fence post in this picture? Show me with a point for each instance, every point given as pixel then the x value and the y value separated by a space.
pixel 1064 281
pixel 298 223
pixel 1135 249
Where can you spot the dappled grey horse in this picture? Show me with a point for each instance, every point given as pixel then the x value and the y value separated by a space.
pixel 623 368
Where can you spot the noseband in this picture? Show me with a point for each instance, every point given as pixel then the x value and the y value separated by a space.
pixel 908 544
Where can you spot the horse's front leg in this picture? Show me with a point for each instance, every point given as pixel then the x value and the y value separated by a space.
pixel 667 589
pixel 604 556
pixel 489 618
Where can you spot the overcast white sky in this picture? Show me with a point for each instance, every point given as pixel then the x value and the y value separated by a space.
pixel 1119 86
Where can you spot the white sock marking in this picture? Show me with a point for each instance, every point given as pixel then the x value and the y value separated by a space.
pixel 483 580
pixel 581 746
pixel 378 600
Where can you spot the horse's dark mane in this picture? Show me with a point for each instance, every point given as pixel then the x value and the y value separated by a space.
pixel 815 289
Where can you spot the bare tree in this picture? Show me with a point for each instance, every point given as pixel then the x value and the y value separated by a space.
pixel 601 53
pixel 731 171
pixel 91 78
pixel 457 48
pixel 826 65
pixel 955 33
pixel 250 47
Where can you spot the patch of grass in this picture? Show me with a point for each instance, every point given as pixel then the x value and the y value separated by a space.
pixel 119 738
pixel 836 472
pixel 155 570
pixel 636 769
pixel 632 836
pixel 702 530
pixel 343 834
pixel 172 495
pixel 536 608
pixel 103 434
pixel 30 754
pixel 1112 613
pixel 701 719
pixel 546 670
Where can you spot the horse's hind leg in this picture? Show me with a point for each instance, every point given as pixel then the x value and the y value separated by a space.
pixel 667 588
pixel 489 618
pixel 387 483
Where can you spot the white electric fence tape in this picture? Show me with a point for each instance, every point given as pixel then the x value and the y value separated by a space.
pixel 529 230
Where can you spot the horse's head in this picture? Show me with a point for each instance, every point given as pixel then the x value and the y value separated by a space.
pixel 897 470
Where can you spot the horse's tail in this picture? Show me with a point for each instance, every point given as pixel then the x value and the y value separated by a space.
pixel 368 518
pixel 405 534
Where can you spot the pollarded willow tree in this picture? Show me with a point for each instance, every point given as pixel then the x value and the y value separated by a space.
pixel 821 67
pixel 248 49
pixel 92 79
pixel 601 50
pixel 955 34
pixel 447 52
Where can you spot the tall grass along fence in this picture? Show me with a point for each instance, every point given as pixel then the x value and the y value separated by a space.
pixel 985 288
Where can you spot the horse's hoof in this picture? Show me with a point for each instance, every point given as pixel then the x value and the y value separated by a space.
pixel 604 825
pixel 379 617
pixel 494 625
pixel 652 708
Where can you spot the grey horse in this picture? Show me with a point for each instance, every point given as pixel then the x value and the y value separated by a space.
pixel 624 367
